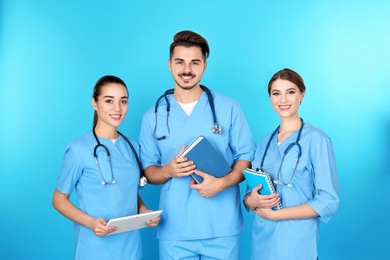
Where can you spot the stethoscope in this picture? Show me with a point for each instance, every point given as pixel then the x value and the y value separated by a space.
pixel 142 180
pixel 217 129
pixel 288 149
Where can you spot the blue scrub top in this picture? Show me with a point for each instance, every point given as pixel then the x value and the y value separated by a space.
pixel 79 171
pixel 315 182
pixel 186 215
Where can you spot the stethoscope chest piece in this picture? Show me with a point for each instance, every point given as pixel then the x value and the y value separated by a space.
pixel 217 129
pixel 142 181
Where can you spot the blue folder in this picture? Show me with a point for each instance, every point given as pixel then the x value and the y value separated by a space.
pixel 206 158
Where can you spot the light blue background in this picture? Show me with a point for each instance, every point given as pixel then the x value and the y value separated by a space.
pixel 52 53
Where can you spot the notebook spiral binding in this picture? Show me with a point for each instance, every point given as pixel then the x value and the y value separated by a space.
pixel 272 187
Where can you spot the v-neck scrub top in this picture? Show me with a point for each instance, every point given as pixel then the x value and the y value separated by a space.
pixel 315 182
pixel 186 215
pixel 79 171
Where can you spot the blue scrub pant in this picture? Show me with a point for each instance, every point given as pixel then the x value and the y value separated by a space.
pixel 203 249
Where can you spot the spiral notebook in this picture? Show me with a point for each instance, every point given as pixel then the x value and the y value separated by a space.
pixel 255 178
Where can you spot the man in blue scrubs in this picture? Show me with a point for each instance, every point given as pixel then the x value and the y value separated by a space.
pixel 199 221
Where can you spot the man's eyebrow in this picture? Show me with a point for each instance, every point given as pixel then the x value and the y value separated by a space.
pixel 113 97
pixel 180 59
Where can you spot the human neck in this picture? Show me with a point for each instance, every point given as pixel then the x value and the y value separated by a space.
pixel 105 132
pixel 187 95
pixel 287 127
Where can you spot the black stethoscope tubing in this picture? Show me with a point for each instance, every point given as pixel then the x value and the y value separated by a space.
pixel 142 177
pixel 166 93
pixel 286 151
pixel 216 129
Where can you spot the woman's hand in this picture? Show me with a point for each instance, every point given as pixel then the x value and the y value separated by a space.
pixel 152 222
pixel 100 228
pixel 255 200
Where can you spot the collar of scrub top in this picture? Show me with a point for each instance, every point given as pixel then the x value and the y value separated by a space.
pixel 142 180
pixel 288 149
pixel 217 129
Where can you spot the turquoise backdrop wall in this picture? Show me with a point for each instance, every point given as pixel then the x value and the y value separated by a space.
pixel 52 53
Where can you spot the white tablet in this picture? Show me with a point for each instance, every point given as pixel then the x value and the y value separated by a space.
pixel 132 222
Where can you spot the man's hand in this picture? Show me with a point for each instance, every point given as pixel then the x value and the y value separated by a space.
pixel 179 167
pixel 209 187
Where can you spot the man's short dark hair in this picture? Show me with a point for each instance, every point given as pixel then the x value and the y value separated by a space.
pixel 189 39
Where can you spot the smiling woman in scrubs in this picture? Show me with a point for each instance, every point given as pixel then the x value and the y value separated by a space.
pixel 105 193
pixel 308 191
